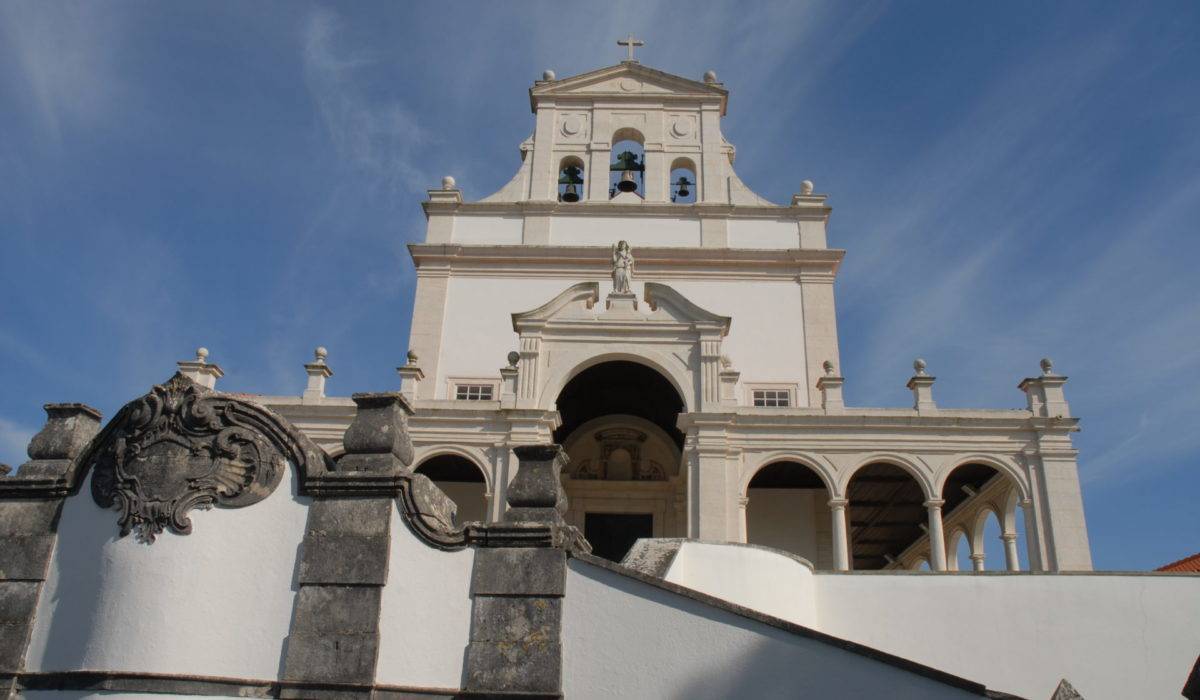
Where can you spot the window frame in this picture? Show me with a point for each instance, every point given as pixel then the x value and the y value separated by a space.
pixel 453 384
pixel 788 389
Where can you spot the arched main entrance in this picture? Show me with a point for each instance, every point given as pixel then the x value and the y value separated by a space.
pixel 624 480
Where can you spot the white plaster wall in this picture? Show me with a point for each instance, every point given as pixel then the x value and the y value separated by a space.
pixel 760 579
pixel 217 602
pixel 766 337
pixel 505 230
pixel 478 334
pixel 1112 636
pixel 425 615
pixel 604 231
pixel 627 639
pixel 763 233
pixel 784 519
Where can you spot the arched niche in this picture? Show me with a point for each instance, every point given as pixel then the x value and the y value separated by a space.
pixel 630 141
pixel 462 480
pixel 683 183
pixel 572 179
pixel 788 508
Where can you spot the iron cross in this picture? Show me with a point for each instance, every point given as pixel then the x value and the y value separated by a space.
pixel 630 43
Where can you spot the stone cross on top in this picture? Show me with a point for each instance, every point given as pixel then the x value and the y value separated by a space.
pixel 630 43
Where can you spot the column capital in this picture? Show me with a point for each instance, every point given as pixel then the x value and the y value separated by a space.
pixel 1009 536
pixel 838 503
pixel 978 557
pixel 743 501
pixel 935 503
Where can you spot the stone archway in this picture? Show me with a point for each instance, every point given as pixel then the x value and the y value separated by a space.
pixel 624 480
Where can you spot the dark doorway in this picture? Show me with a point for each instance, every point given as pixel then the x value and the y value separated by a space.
pixel 612 534
pixel 619 387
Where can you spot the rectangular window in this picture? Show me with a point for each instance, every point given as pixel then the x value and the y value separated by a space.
pixel 772 397
pixel 473 392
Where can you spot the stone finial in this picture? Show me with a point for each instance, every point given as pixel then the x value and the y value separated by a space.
pixel 411 356
pixel 318 372
pixel 513 358
pixel 1047 366
pixel 200 371
pixel 68 430
pixel 806 187
pixel 827 365
pixel 921 386
pixel 919 367
pixel 830 386
pixel 549 75
pixel 448 183
pixel 536 493
pixel 710 76
pixel 1044 393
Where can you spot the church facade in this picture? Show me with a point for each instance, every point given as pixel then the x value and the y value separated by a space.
pixel 703 397
pixel 619 464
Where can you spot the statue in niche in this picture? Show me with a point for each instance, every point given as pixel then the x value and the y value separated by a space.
pixel 622 268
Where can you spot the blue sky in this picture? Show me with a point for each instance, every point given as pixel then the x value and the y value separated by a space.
pixel 1011 181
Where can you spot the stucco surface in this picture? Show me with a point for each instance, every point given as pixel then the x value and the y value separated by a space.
pixel 784 588
pixel 216 602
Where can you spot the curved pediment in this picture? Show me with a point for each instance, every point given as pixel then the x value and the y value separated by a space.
pixel 577 297
pixel 664 299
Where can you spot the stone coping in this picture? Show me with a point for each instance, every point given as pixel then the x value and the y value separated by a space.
pixel 793 628
pixel 184 684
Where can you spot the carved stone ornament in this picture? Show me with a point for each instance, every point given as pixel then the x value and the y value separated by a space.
pixel 183 446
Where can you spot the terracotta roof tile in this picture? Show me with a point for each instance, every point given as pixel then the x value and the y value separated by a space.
pixel 1191 563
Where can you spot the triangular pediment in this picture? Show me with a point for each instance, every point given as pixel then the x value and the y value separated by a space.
pixel 628 80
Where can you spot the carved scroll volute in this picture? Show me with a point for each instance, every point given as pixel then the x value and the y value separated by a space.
pixel 183 446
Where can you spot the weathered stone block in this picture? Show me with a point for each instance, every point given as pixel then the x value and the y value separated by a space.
pixel 380 428
pixel 519 571
pixel 331 658
pixel 350 516
pixel 516 619
pixel 24 557
pixel 337 610
pixel 14 637
pixel 29 516
pixel 69 427
pixel 536 492
pixel 508 667
pixel 18 599
pixel 344 559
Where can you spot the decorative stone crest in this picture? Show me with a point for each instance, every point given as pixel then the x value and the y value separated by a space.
pixel 181 447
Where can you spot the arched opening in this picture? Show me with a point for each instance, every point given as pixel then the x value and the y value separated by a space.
pixel 460 479
pixel 627 172
pixel 788 509
pixel 887 514
pixel 969 493
pixel 571 179
pixel 1020 542
pixel 624 479
pixel 958 551
pixel 683 183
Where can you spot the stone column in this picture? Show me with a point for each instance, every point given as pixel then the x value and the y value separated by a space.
pixel 30 504
pixel 743 529
pixel 841 542
pixel 937 540
pixel 517 591
pixel 978 561
pixel 1012 561
pixel 334 640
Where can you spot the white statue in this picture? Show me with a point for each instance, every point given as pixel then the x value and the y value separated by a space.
pixel 622 268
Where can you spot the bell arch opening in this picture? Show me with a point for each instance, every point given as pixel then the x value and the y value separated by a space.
pixel 624 479
pixel 788 509
pixel 627 172
pixel 461 480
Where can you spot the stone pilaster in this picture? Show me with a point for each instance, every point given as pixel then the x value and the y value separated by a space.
pixel 334 640
pixel 517 592
pixel 30 506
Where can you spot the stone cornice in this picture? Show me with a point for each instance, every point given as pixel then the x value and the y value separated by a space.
pixel 641 209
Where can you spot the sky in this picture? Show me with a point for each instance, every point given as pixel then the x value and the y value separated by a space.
pixel 1010 180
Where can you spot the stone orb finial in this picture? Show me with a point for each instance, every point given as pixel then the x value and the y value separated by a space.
pixel 1047 365
pixel 412 357
pixel 828 366
pixel 513 358
pixel 806 187
pixel 710 76
pixel 320 354
pixel 448 183
pixel 201 354
pixel 549 75
pixel 919 367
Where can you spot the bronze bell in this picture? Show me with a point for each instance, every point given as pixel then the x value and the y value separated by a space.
pixel 683 185
pixel 571 193
pixel 627 183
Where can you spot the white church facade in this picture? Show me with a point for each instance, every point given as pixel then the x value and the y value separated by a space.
pixel 619 464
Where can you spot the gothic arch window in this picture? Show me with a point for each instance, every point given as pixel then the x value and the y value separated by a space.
pixel 571 179
pixel 627 172
pixel 683 183
pixel 462 480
